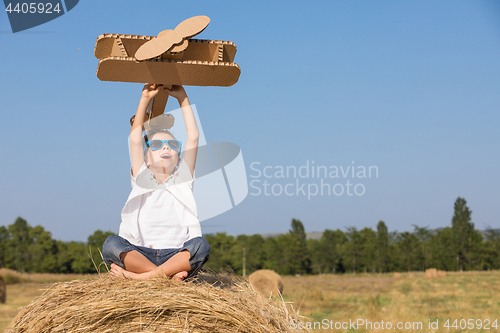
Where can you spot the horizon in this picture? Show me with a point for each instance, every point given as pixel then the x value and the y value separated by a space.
pixel 312 234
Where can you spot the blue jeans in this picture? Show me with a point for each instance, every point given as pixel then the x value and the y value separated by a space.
pixel 198 248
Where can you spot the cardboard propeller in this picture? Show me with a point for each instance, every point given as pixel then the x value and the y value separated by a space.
pixel 171 58
pixel 168 38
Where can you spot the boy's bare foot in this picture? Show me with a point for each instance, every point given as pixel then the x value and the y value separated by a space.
pixel 180 276
pixel 120 273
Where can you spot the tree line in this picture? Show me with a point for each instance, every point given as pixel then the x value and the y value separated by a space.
pixel 457 247
pixel 32 249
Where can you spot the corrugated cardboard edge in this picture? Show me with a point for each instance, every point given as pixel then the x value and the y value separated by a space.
pixel 113 66
pixel 166 71
pixel 104 44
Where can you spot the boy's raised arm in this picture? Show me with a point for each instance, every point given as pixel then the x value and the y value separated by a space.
pixel 136 145
pixel 191 148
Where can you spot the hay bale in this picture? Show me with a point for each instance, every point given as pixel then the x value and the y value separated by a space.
pixel 396 275
pixel 3 290
pixel 441 274
pixel 107 305
pixel 411 275
pixel 430 273
pixel 267 282
pixel 11 276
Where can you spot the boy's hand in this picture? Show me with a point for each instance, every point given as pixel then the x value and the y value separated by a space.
pixel 177 92
pixel 150 90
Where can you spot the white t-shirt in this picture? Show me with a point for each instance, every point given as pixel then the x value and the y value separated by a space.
pixel 159 225
pixel 161 216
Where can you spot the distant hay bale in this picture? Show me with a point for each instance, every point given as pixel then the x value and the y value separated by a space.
pixel 159 305
pixel 430 273
pixel 441 274
pixel 3 290
pixel 11 276
pixel 267 282
pixel 411 275
pixel 396 275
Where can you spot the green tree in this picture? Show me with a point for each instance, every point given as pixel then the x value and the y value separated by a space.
pixel 271 253
pixel 20 242
pixel 475 259
pixel 368 259
pixel 395 256
pixel 94 247
pixel 423 256
pixel 64 259
pixel 247 251
pixel 326 253
pixel 332 243
pixel 73 257
pixel 80 260
pixel 283 254
pixel 353 249
pixel 298 231
pixel 463 230
pixel 5 238
pixel 442 245
pixel 408 245
pixel 383 257
pixel 303 258
pixel 42 251
pixel 221 245
pixel 315 249
pixel 491 249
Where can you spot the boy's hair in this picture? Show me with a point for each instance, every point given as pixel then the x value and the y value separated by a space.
pixel 150 134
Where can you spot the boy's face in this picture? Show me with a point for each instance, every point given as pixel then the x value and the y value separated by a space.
pixel 163 160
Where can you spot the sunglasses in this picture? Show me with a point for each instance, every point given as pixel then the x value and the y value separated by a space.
pixel 157 144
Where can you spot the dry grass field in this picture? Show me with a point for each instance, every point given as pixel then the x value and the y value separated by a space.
pixel 22 289
pixel 342 298
pixel 405 300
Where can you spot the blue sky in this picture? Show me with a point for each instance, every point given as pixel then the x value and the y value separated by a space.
pixel 409 87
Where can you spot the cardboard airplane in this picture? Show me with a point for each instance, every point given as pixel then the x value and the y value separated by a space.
pixel 171 58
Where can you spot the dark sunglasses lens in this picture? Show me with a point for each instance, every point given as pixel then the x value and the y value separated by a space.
pixel 173 144
pixel 155 144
